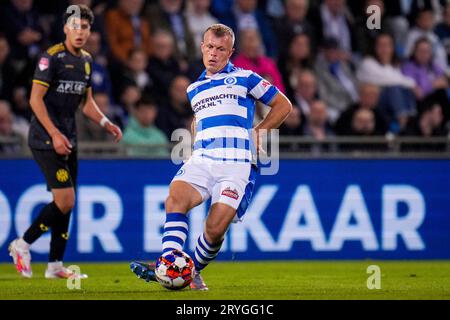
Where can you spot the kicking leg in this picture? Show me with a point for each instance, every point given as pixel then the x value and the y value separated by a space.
pixel 182 198
pixel 209 243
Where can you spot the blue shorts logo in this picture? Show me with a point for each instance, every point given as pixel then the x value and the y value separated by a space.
pixel 180 172
pixel 230 80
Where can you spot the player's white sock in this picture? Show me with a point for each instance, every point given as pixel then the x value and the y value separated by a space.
pixel 52 266
pixel 205 252
pixel 175 231
pixel 23 245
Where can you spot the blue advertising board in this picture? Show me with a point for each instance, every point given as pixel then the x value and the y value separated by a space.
pixel 311 209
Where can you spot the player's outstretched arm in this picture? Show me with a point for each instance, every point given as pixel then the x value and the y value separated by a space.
pixel 60 142
pixel 92 111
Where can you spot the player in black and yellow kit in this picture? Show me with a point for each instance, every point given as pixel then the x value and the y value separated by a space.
pixel 62 82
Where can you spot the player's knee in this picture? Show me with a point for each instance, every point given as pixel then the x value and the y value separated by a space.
pixel 65 202
pixel 173 204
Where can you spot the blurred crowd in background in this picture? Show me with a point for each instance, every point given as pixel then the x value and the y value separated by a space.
pixel 343 78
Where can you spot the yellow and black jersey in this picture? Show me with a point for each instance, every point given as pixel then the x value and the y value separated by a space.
pixel 67 77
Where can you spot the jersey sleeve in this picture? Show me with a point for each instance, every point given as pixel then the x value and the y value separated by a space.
pixel 261 89
pixel 88 71
pixel 43 73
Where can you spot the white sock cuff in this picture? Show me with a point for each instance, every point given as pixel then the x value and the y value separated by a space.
pixel 23 244
pixel 55 265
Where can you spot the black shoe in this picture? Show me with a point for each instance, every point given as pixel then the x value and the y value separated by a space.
pixel 144 270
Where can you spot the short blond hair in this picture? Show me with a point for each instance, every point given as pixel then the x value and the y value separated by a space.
pixel 221 30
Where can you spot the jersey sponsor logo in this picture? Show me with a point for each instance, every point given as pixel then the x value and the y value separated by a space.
pixel 71 87
pixel 211 101
pixel 233 194
pixel 43 64
pixel 62 175
pixel 180 172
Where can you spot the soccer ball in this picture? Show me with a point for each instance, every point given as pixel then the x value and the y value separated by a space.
pixel 174 270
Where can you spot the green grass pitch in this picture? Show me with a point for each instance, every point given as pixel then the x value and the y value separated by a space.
pixel 246 280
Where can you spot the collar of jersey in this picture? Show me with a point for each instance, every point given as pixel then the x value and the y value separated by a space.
pixel 227 69
pixel 70 53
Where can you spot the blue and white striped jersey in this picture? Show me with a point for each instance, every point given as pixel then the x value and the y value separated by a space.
pixel 224 107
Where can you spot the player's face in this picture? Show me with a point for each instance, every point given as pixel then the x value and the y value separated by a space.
pixel 77 32
pixel 216 52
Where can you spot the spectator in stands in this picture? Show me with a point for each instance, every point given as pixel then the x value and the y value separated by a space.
pixel 293 22
pixel 101 80
pixel 251 57
pixel 365 37
pixel 7 71
pixel 90 131
pixel 135 72
pixel 434 6
pixel 429 77
pixel 127 30
pixel 20 103
pixel 306 91
pixel 396 17
pixel 336 82
pixel 163 66
pixel 317 125
pixel 177 112
pixel 141 131
pixel 273 9
pixel 20 24
pixel 168 15
pixel 424 26
pixel 245 15
pixel 129 96
pixel 8 130
pixel 429 123
pixel 293 125
pixel 442 30
pixel 221 7
pixel 381 68
pixel 369 97
pixel 334 20
pixel 363 123
pixel 298 57
pixel 199 19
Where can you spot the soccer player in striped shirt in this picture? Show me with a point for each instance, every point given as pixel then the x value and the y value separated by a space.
pixel 222 164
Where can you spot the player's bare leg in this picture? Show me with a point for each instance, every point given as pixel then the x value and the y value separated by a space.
pixel 219 219
pixel 182 197
pixel 64 199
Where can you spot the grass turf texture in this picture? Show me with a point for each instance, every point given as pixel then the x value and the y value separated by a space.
pixel 245 280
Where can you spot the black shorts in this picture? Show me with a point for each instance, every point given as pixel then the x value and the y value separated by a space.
pixel 59 171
